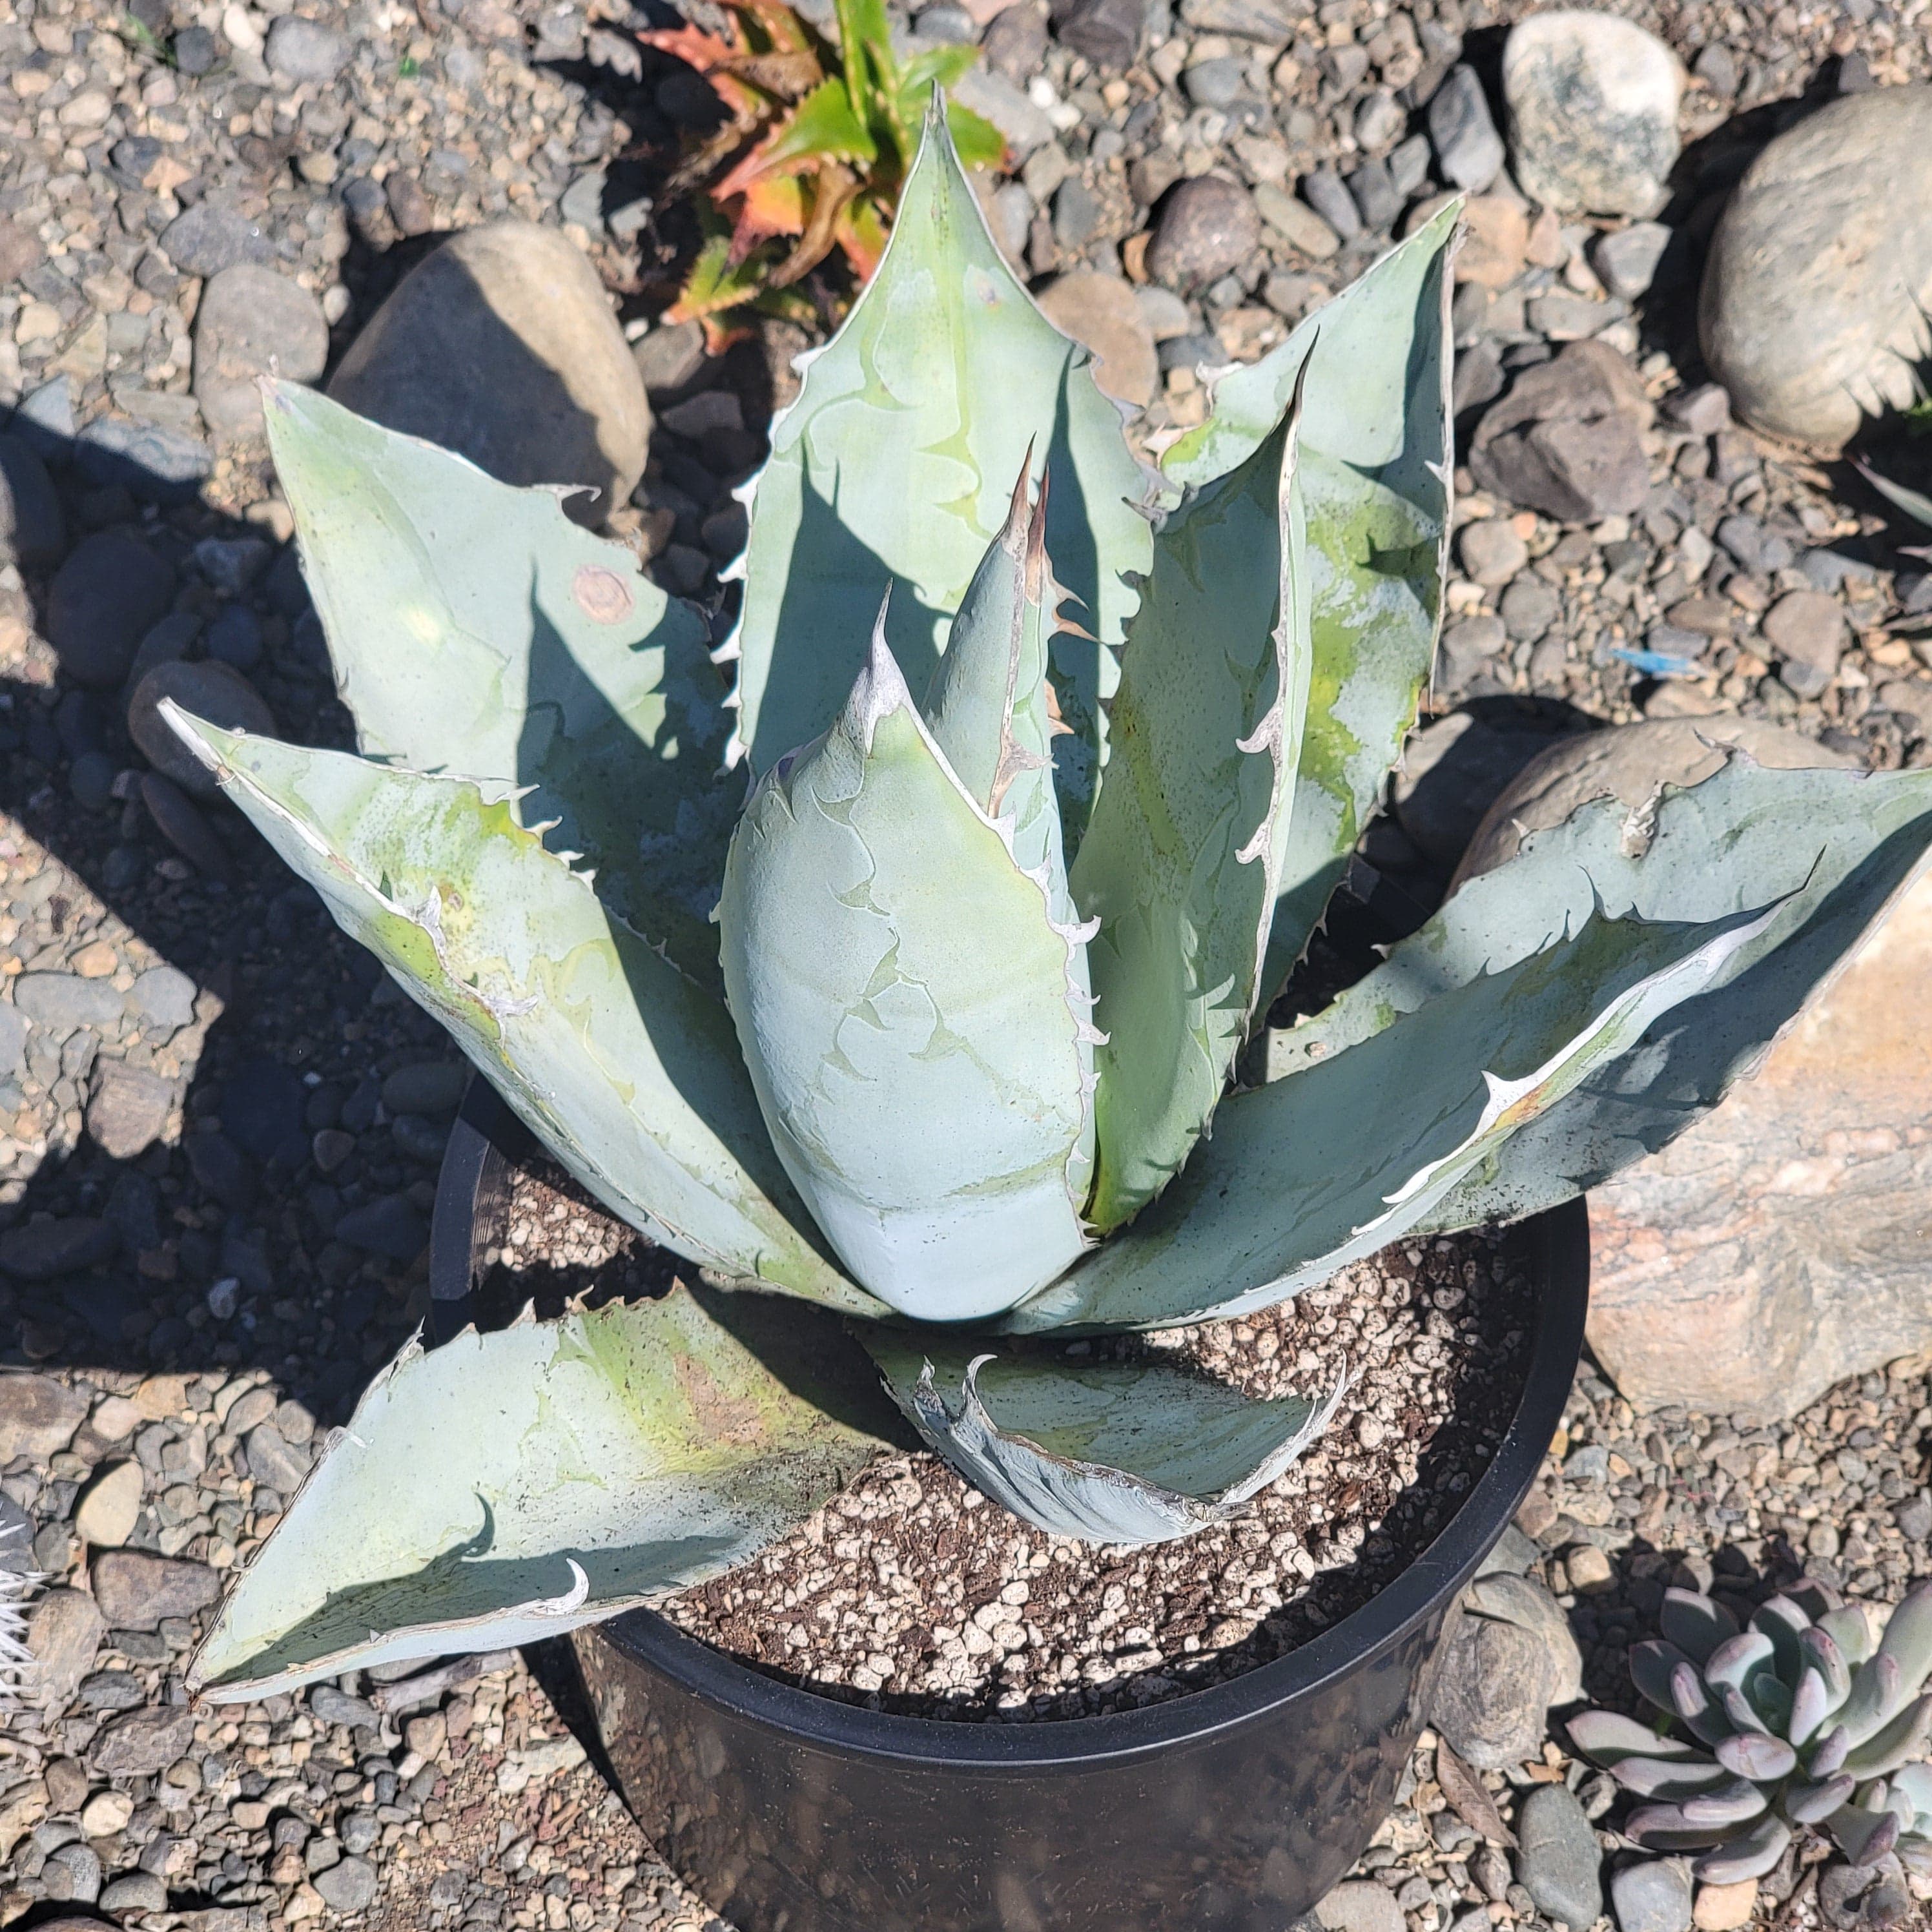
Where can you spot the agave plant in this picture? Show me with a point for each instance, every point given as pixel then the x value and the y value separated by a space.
pixel 924 1038
pixel 813 152
pixel 1801 1720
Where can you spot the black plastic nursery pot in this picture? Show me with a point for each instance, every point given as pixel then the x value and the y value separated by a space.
pixel 1230 1809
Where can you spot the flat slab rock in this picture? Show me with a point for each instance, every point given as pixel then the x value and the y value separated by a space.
pixel 1782 1244
pixel 913 1593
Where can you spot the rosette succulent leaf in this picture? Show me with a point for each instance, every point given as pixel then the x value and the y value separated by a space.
pixel 1808 1718
pixel 902 979
pixel 1907 1795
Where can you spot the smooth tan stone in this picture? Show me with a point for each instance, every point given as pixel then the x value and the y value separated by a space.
pixel 1101 313
pixel 110 1507
pixel 502 346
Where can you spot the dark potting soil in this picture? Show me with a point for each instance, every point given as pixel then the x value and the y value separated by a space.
pixel 911 1592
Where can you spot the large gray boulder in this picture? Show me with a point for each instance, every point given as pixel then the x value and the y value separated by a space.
pixel 502 346
pixel 1813 311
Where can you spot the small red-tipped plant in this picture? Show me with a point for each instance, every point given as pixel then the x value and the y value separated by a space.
pixel 813 154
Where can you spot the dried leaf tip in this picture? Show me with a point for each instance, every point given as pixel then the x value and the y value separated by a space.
pixel 880 688
pixel 183 725
pixel 1013 533
pixel 1039 573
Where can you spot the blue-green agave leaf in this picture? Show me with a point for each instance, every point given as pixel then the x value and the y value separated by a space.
pixel 1309 1173
pixel 1915 503
pixel 625 1069
pixel 906 1004
pixel 510 1486
pixel 894 461
pixel 1125 1452
pixel 1834 846
pixel 476 631
pixel 1374 471
pixel 1181 858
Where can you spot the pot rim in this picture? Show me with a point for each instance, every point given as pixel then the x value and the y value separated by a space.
pixel 475 1165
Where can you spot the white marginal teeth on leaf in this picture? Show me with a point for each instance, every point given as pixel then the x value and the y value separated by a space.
pixel 1257 1214
pixel 625 1068
pixel 1832 847
pixel 896 458
pixel 1374 472
pixel 574 1598
pixel 990 710
pixel 1203 739
pixel 880 687
pixel 510 674
pixel 995 901
pixel 637 1450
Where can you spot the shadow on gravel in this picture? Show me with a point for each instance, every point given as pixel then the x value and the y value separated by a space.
pixel 292 1028
pixel 287 1231
pixel 1700 185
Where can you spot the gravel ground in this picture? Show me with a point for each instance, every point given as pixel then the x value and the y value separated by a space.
pixel 219 1126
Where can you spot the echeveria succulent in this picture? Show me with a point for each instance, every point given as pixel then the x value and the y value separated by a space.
pixel 931 1027
pixel 1907 1795
pixel 1806 1717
